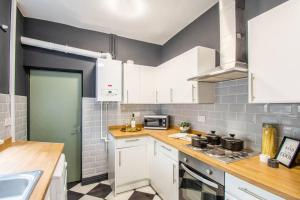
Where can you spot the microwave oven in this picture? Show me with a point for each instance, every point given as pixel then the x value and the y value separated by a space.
pixel 156 121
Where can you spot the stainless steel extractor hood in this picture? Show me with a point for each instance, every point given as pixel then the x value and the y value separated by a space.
pixel 232 44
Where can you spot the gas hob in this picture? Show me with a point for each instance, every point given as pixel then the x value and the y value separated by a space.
pixel 224 155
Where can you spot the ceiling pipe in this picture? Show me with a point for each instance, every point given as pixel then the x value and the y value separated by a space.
pixel 63 48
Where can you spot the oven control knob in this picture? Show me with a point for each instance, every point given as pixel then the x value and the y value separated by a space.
pixel 185 160
pixel 209 171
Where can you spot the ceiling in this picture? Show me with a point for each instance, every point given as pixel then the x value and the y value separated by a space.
pixel 154 21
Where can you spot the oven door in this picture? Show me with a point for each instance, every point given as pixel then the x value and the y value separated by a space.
pixel 195 186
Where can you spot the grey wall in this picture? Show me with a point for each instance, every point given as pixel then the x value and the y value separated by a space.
pixel 140 52
pixel 4 46
pixel 204 31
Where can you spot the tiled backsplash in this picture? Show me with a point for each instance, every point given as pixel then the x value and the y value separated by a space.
pixel 4 113
pixel 94 160
pixel 21 117
pixel 232 114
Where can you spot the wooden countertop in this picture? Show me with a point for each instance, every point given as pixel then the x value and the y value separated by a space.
pixel 29 156
pixel 282 181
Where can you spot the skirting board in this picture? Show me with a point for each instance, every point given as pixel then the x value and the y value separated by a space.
pixel 94 179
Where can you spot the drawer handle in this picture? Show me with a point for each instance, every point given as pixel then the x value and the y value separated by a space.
pixel 174 180
pixel 119 158
pixel 133 140
pixel 168 149
pixel 245 190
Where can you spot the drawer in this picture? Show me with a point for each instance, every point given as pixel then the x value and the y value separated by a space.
pixel 131 142
pixel 169 151
pixel 243 190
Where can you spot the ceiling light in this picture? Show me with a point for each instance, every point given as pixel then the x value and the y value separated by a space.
pixel 127 8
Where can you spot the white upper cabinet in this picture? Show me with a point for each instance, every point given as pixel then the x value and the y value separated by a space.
pixel 274 65
pixel 139 84
pixel 173 86
pixel 167 83
pixel 131 83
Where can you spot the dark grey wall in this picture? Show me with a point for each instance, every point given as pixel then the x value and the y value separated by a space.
pixel 204 31
pixel 20 71
pixel 4 46
pixel 140 52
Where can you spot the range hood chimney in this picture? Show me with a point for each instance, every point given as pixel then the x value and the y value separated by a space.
pixel 232 44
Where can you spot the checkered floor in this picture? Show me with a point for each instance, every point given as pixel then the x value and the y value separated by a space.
pixel 102 191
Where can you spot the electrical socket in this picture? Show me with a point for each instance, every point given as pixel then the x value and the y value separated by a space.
pixel 7 121
pixel 201 118
pixel 137 114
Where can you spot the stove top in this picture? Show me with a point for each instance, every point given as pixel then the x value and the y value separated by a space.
pixel 224 155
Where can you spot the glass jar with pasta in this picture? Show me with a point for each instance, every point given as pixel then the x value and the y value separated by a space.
pixel 268 146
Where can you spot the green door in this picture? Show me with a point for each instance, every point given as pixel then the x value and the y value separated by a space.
pixel 55 114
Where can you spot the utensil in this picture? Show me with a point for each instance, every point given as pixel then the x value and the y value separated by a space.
pixel 232 143
pixel 213 138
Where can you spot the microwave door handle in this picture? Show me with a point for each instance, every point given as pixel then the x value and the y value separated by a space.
pixel 199 178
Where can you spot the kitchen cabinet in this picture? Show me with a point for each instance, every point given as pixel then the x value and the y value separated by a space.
pixel 127 170
pixel 172 83
pixel 164 163
pixel 237 189
pixel 58 186
pixel 131 83
pixel 273 55
pixel 139 84
pixel 167 83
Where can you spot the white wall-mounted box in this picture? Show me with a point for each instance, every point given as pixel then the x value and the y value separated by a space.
pixel 108 80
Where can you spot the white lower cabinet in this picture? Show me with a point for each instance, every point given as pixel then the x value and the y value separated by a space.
pixel 58 186
pixel 237 189
pixel 128 168
pixel 141 161
pixel 164 171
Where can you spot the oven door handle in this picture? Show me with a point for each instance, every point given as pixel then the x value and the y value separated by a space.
pixel 199 178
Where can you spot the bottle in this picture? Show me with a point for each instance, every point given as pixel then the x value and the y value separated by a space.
pixel 268 146
pixel 132 122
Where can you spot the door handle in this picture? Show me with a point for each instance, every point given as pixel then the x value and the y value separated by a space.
pixel 174 179
pixel 193 93
pixel 252 86
pixel 120 158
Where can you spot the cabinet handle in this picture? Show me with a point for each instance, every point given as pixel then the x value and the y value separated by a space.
pixel 155 152
pixel 127 94
pixel 120 158
pixel 174 179
pixel 133 140
pixel 156 96
pixel 193 93
pixel 251 193
pixel 171 95
pixel 252 86
pixel 166 148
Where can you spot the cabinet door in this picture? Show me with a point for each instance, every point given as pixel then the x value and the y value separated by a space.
pixel 130 166
pixel 168 185
pixel 273 55
pixel 154 172
pixel 131 81
pixel 164 84
pixel 148 85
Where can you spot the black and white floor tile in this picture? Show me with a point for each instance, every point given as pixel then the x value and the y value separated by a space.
pixel 102 191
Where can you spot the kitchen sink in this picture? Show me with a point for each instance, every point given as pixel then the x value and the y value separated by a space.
pixel 18 186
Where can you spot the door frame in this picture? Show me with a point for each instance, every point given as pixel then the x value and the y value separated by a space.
pixel 27 85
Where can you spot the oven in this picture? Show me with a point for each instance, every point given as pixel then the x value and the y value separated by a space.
pixel 199 181
pixel 156 122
